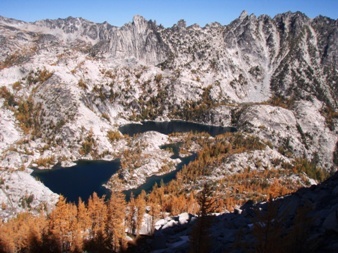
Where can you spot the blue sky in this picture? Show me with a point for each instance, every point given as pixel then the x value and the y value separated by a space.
pixel 165 12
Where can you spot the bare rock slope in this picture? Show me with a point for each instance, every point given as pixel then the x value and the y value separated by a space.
pixel 66 85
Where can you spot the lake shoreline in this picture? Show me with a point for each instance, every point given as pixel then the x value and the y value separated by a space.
pixel 87 176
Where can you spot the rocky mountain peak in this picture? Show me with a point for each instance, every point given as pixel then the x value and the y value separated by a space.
pixel 243 15
pixel 140 22
pixel 10 20
pixel 181 24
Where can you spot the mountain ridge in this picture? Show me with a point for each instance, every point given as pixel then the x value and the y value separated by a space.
pixel 70 83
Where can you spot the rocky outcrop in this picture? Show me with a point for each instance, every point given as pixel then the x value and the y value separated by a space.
pixel 143 159
pixel 19 191
pixel 298 131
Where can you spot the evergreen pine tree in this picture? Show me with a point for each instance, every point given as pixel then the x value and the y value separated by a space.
pixel 268 228
pixel 200 240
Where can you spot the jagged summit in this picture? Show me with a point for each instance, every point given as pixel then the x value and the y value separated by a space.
pixel 243 15
pixel 139 19
pixel 269 42
pixel 181 23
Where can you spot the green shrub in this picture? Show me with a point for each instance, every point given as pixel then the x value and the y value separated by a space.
pixel 310 169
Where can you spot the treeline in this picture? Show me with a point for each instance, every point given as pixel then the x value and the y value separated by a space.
pixel 98 226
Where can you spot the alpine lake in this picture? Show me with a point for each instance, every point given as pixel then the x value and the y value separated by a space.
pixel 86 177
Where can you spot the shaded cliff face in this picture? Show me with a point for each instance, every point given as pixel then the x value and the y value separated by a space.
pixel 308 215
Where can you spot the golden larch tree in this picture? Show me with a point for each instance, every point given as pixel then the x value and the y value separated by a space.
pixel 115 226
pixel 97 211
pixel 141 209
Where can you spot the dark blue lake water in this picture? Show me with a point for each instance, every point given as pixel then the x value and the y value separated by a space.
pixel 168 127
pixel 87 177
pixel 80 180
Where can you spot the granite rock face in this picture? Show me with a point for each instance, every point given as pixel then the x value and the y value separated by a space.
pixel 253 57
pixel 67 82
